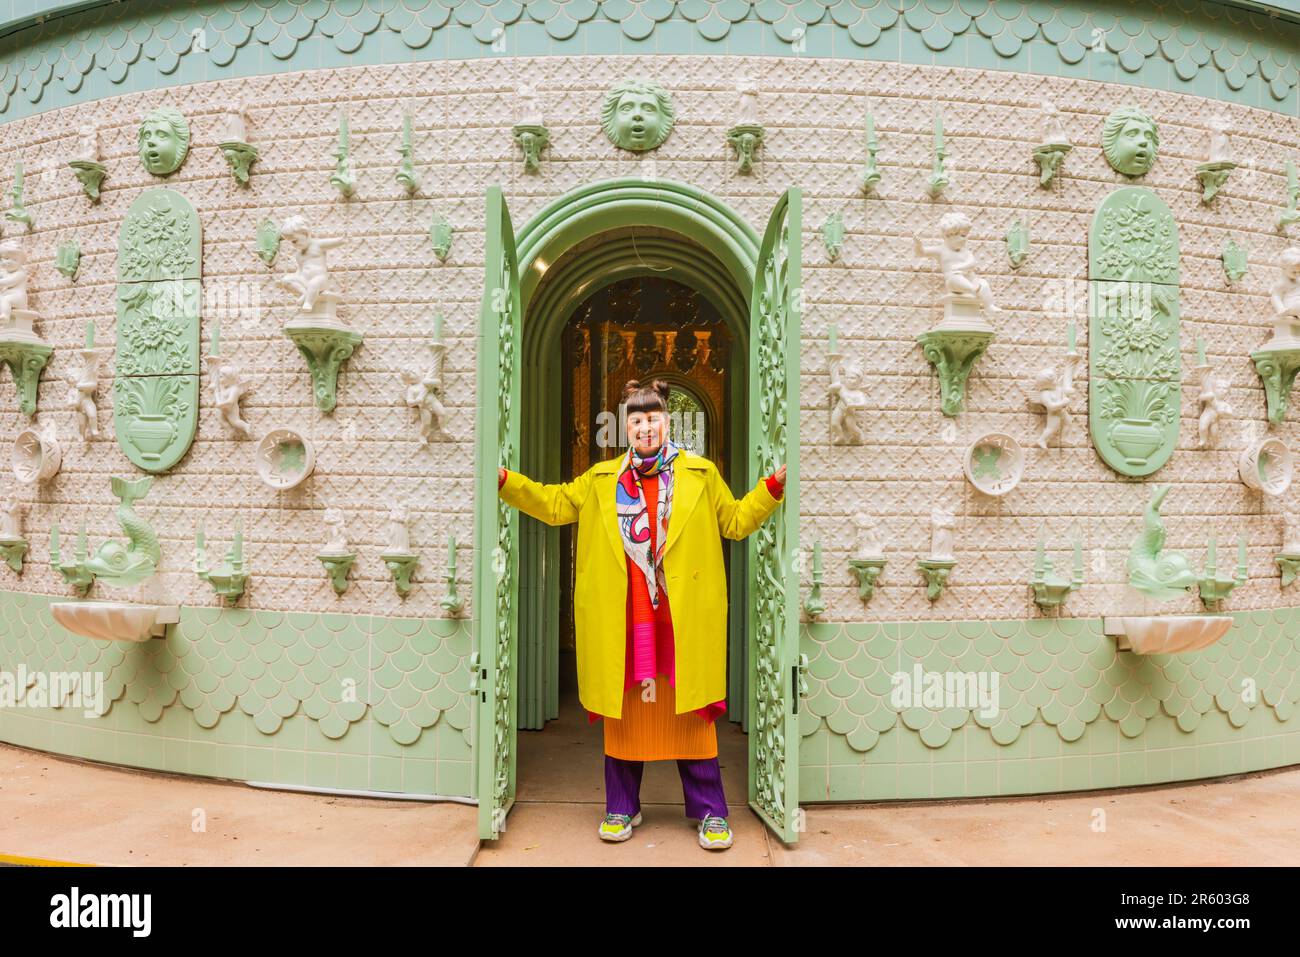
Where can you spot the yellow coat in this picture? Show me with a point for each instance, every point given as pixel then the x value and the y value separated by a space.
pixel 704 511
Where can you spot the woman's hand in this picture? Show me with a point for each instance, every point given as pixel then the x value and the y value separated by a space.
pixel 779 475
pixel 501 475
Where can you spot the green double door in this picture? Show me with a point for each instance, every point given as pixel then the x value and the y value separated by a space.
pixel 773 594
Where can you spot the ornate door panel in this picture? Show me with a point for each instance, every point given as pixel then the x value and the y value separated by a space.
pixel 773 617
pixel 496 555
pixel 1134 390
pixel 156 387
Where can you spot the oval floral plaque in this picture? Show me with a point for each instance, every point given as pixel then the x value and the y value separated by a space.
pixel 156 390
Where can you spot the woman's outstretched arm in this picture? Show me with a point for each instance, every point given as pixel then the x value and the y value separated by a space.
pixel 738 518
pixel 557 504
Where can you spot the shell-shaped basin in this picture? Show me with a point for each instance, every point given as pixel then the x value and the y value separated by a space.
pixel 1167 634
pixel 115 620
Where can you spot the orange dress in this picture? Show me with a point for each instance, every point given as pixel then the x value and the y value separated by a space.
pixel 652 730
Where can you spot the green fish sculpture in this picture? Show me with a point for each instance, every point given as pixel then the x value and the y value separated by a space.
pixel 130 564
pixel 1151 570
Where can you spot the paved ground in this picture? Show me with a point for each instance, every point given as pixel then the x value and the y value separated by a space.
pixel 53 808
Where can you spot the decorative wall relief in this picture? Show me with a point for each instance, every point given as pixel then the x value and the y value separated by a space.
pixel 398 557
pixel 336 556
pixel 67 258
pixel 17 213
pixel 747 135
pixel 36 455
pixel 239 153
pixel 938 180
pixel 1278 360
pixel 868 561
pixel 833 235
pixel 21 349
pixel 228 578
pixel 530 131
pixel 440 235
pixel 871 173
pixel 164 141
pixel 1213 173
pixel 994 463
pixel 83 388
pixel 1048 588
pixel 1234 260
pixel 322 338
pixel 343 178
pixel 1266 466
pixel 1017 243
pixel 268 241
pixel 1129 141
pixel 939 565
pixel 13 546
pixel 1053 390
pixel 85 164
pixel 1213 587
pixel 132 563
pixel 847 395
pixel 229 386
pixel 1213 401
pixel 954 345
pixel 406 177
pixel 284 458
pixel 637 115
pixel 1156 573
pixel 1051 152
pixel 424 390
pixel 1135 391
pixel 156 389
pixel 1289 213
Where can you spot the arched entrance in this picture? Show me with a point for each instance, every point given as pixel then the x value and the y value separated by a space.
pixel 582 242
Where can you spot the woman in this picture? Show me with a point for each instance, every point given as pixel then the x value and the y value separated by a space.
pixel 650 528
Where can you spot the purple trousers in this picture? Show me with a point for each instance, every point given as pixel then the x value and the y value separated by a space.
pixel 701 786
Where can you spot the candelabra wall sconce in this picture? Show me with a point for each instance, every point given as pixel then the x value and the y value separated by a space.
pixel 1215 588
pixel 814 605
pixel 833 235
pixel 234 146
pixel 18 213
pixel 86 166
pixel 453 604
pixel 871 173
pixel 1050 590
pixel 344 178
pixel 229 578
pixel 1234 260
pixel 13 546
pixel 1289 213
pixel 938 180
pixel 75 572
pixel 406 177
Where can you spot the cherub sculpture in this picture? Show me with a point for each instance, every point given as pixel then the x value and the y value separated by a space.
pixel 1214 408
pixel 312 276
pixel 958 263
pixel 338 534
pixel 11 520
pixel 229 386
pixel 1053 128
pixel 869 543
pixel 399 536
pixel 13 279
pixel 747 87
pixel 942 523
pixel 1285 296
pixel 424 394
pixel 1220 142
pixel 848 401
pixel 1053 390
pixel 81 395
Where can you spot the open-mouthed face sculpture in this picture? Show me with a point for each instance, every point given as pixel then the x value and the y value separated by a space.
pixel 164 141
pixel 638 115
pixel 1129 140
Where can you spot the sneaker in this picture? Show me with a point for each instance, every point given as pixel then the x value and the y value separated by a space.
pixel 715 833
pixel 618 827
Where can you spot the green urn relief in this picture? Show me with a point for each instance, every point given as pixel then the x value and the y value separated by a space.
pixel 1134 393
pixel 156 391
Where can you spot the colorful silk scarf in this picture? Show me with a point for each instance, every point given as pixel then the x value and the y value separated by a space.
pixel 633 522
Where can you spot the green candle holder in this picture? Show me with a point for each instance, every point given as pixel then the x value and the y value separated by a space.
pixel 401 565
pixel 230 577
pixel 814 606
pixel 453 604
pixel 1050 589
pixel 1214 588
pixel 75 572
pixel 337 567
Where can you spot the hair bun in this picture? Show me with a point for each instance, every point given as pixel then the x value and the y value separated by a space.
pixel 660 386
